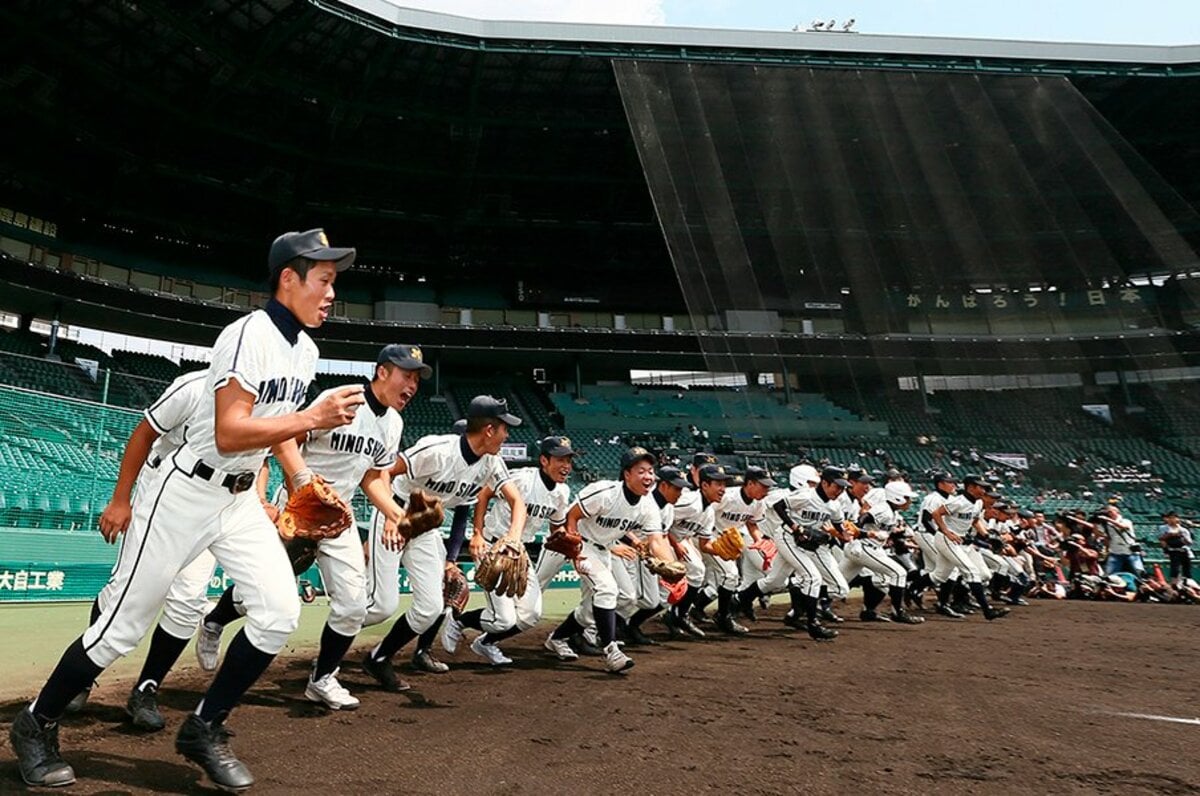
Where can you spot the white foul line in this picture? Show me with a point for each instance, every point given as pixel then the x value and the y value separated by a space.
pixel 1153 717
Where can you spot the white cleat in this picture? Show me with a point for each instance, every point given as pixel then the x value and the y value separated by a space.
pixel 452 633
pixel 491 652
pixel 561 649
pixel 208 646
pixel 332 693
pixel 615 660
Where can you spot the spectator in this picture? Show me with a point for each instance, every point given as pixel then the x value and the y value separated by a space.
pixel 1176 540
pixel 1124 552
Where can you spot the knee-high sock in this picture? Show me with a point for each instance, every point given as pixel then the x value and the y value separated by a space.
pixel 334 647
pixel 164 650
pixel 606 624
pixel 224 611
pixel 74 672
pixel 427 638
pixel 400 634
pixel 243 665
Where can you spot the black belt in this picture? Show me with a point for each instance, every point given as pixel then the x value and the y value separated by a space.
pixel 234 483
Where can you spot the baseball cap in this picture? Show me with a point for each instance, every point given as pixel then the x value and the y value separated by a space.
pixel 634 455
pixel 556 446
pixel 802 475
pixel 948 477
pixel 671 475
pixel 460 426
pixel 1025 514
pixel 898 491
pixel 715 472
pixel 1170 513
pixel 835 475
pixel 405 357
pixel 861 477
pixel 311 245
pixel 487 406
pixel 759 475
pixel 702 458
pixel 975 480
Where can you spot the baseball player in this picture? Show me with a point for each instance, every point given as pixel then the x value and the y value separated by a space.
pixel 639 591
pixel 867 560
pixel 691 533
pixel 831 556
pixel 603 514
pixel 945 484
pixel 955 517
pixel 203 496
pixel 546 495
pixel 699 460
pixel 456 469
pixel 359 454
pixel 799 520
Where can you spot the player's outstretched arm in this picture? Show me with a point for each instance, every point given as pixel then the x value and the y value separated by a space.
pixel 478 545
pixel 659 546
pixel 377 486
pixel 236 430
pixel 114 520
pixel 516 525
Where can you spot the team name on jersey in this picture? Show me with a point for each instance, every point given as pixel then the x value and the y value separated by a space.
pixel 690 526
pixel 736 518
pixel 283 388
pixel 809 517
pixel 618 524
pixel 461 489
pixel 539 512
pixel 965 516
pixel 356 443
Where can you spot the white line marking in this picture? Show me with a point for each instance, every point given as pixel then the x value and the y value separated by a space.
pixel 1153 717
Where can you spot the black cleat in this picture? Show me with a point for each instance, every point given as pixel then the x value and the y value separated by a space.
pixel 905 618
pixel 962 608
pixel 728 624
pixel 947 611
pixel 671 623
pixel 80 701
pixel 423 661
pixel 36 748
pixel 637 638
pixel 994 613
pixel 384 673
pixel 792 619
pixel 584 647
pixel 698 616
pixel 827 615
pixel 142 707
pixel 872 616
pixel 819 632
pixel 689 627
pixel 207 745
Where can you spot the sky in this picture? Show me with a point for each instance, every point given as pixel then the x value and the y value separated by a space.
pixel 1146 22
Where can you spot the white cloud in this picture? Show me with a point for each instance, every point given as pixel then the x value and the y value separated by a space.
pixel 612 12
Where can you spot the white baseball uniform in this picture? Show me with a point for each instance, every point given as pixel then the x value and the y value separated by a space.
pixel 926 532
pixel 809 511
pixel 867 551
pixel 694 518
pixel 637 586
pixel 734 511
pixel 960 516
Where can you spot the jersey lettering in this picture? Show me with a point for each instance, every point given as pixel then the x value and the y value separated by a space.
pixel 282 388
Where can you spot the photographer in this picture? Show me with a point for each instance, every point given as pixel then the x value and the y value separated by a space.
pixel 1124 552
pixel 1176 541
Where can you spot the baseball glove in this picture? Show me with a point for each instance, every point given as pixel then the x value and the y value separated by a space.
pixel 849 531
pixel 504 570
pixel 675 591
pixel 564 542
pixel 728 544
pixel 302 553
pixel 670 571
pixel 766 548
pixel 423 513
pixel 455 589
pixel 314 511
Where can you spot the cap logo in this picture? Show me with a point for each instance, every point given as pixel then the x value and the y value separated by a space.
pixel 323 238
pixel 564 441
pixel 414 352
pixel 639 452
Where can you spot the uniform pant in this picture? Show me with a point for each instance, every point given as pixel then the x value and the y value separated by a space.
pixel 187 599
pixel 795 565
pixel 954 556
pixel 929 554
pixel 831 572
pixel 549 564
pixel 720 574
pixel 638 588
pixel 423 558
pixel 862 554
pixel 501 613
pixel 597 585
pixel 176 516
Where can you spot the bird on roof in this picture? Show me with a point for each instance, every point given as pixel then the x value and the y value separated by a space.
pixel 847 25
pixel 818 25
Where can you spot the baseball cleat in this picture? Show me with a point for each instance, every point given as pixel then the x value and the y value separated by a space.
pixel 490 652
pixel 584 647
pixel 994 613
pixel 452 633
pixel 963 608
pixel 80 701
pixel 945 610
pixel 36 748
pixel 792 619
pixel 615 660
pixel 872 616
pixel 384 673
pixel 208 645
pixel 423 660
pixel 688 626
pixel 698 617
pixel 561 649
pixel 207 745
pixel 329 691
pixel 905 618
pixel 671 622
pixel 728 624
pixel 819 632
pixel 142 707
pixel 638 638
pixel 827 615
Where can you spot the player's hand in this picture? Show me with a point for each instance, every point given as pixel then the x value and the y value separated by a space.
pixel 953 537
pixel 338 408
pixel 392 540
pixel 625 551
pixel 477 547
pixel 114 520
pixel 272 511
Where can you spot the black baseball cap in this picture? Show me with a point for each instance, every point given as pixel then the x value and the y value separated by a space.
pixel 460 426
pixel 405 357
pixel 556 446
pixel 759 475
pixel 715 472
pixel 975 480
pixel 946 476
pixel 835 475
pixel 861 477
pixel 702 458
pixel 634 455
pixel 671 475
pixel 1025 514
pixel 311 245
pixel 487 406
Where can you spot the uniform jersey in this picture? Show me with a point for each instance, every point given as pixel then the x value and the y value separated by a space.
pixel 545 501
pixel 932 502
pixel 610 511
pixel 692 516
pixel 807 509
pixel 170 413
pixel 445 465
pixel 879 511
pixel 256 352
pixel 735 510
pixel 666 512
pixel 961 513
pixel 342 456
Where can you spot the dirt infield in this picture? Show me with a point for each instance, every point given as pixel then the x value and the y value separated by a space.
pixel 1023 704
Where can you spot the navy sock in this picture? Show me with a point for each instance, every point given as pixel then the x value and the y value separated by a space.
pixel 334 647
pixel 980 595
pixel 400 634
pixel 472 619
pixel 943 592
pixel 797 597
pixel 724 600
pixel 702 599
pixel 224 612
pixel 810 608
pixel 872 596
pixel 568 628
pixel 431 633
pixel 689 598
pixel 496 638
pixel 74 672
pixel 896 593
pixel 641 616
pixel 606 624
pixel 165 649
pixel 244 664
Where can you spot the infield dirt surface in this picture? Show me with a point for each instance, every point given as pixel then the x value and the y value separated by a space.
pixel 1024 704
